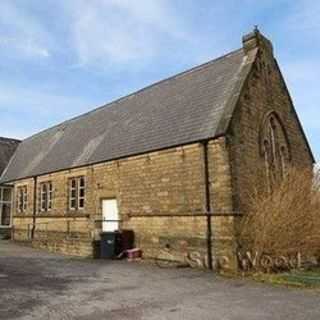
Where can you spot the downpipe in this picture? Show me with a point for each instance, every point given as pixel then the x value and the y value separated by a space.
pixel 207 203
pixel 35 187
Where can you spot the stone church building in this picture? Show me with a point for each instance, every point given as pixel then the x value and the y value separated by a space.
pixel 171 162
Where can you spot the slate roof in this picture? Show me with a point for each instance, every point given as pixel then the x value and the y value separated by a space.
pixel 7 149
pixel 185 108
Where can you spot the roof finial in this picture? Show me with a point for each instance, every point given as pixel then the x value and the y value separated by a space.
pixel 256 28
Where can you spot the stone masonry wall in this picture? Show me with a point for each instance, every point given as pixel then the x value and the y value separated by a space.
pixel 264 92
pixel 161 197
pixel 225 218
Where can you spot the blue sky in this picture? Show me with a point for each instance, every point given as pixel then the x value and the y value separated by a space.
pixel 60 58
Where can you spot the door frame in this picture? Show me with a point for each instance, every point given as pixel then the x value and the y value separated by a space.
pixel 101 210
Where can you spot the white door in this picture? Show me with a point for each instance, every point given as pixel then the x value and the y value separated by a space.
pixel 110 215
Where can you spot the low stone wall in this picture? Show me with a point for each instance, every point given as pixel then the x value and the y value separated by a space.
pixel 73 244
pixel 21 234
pixel 183 236
pixel 5 233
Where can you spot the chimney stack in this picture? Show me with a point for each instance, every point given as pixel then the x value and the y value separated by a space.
pixel 255 40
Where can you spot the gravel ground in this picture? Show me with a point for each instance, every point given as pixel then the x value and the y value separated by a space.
pixel 38 285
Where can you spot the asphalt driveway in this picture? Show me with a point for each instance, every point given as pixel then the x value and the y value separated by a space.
pixel 38 285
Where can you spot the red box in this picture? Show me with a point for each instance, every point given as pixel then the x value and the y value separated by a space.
pixel 134 253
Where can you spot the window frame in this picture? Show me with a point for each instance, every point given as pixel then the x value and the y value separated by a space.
pixel 6 203
pixel 274 146
pixel 22 199
pixel 81 198
pixel 46 196
pixel 76 193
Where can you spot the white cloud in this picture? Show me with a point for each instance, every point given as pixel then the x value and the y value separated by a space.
pixel 121 31
pixel 21 33
pixel 39 102
pixel 93 33
pixel 26 48
pixel 25 111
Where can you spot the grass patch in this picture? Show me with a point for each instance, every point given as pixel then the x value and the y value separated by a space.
pixel 297 278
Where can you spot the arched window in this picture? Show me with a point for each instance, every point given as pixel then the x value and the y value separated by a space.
pixel 274 148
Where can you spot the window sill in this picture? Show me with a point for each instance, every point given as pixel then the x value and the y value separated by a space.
pixel 66 215
pixel 22 215
pixel 76 211
pixel 40 213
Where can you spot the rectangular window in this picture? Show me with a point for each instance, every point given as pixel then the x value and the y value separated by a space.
pixel 5 206
pixel 22 199
pixel 81 192
pixel 46 192
pixel 50 196
pixel 77 191
pixel 6 194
